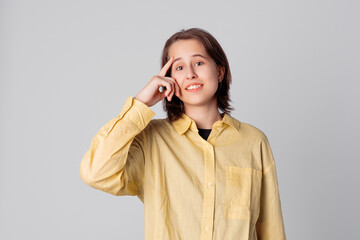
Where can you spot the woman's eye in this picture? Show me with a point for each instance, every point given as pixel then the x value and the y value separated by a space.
pixel 196 64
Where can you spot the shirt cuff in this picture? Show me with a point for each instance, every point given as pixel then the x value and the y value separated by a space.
pixel 137 112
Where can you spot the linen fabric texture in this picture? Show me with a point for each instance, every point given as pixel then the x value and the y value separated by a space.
pixel 224 187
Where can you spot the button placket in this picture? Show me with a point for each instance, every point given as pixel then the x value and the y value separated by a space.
pixel 209 192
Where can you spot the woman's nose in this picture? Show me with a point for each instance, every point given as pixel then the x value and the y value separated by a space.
pixel 190 74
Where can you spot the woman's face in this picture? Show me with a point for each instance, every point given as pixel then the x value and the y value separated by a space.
pixel 195 72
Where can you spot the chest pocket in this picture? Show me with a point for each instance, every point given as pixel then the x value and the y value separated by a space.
pixel 243 187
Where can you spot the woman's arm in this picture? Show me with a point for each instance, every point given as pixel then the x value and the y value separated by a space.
pixel 115 161
pixel 270 224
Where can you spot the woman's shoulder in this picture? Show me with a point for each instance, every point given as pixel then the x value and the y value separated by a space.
pixel 250 130
pixel 159 122
pixel 158 125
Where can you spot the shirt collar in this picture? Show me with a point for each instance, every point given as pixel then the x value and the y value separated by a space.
pixel 185 122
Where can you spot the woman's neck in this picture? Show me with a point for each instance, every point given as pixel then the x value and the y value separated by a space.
pixel 204 116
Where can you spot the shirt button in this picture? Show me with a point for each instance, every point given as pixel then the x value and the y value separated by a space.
pixel 206 228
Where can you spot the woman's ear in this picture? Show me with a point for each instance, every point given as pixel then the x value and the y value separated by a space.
pixel 221 73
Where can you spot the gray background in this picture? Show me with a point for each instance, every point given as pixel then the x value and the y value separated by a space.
pixel 67 68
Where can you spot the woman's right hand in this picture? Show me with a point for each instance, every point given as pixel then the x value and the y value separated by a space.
pixel 150 94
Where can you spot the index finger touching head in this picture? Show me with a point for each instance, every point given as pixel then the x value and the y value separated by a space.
pixel 166 67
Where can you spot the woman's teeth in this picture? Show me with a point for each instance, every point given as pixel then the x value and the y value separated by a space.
pixel 193 87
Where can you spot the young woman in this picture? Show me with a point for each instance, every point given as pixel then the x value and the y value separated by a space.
pixel 200 173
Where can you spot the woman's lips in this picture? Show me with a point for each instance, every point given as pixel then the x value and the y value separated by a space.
pixel 195 89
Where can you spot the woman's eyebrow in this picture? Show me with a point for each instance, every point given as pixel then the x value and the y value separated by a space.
pixel 194 55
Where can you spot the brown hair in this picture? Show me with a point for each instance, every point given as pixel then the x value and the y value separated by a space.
pixel 175 108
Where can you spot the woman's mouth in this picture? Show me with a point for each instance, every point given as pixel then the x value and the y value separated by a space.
pixel 194 88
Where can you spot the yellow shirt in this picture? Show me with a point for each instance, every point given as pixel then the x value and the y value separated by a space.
pixel 224 187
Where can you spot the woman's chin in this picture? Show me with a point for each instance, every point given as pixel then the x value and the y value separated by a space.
pixel 199 102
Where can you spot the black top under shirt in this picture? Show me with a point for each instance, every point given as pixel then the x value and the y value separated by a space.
pixel 204 133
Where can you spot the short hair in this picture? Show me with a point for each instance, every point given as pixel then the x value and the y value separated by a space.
pixel 175 108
